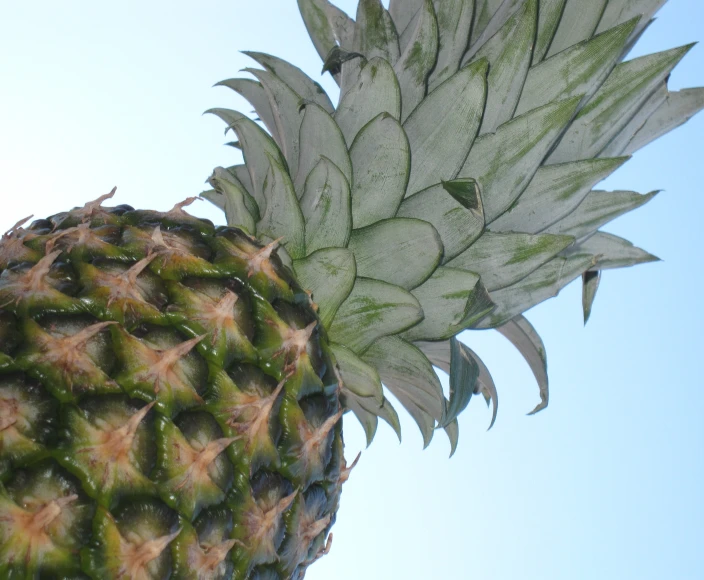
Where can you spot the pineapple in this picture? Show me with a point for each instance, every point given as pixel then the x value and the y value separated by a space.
pixel 171 393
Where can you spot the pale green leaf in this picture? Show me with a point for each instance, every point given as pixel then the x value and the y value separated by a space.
pixel 282 217
pixel 315 17
pixel 619 143
pixel 503 163
pixel 295 78
pixel 678 108
pixel 217 199
pixel 554 192
pixel 524 337
pixel 400 251
pixel 358 377
pixel 620 97
pixel 320 137
pixel 484 11
pixel 619 11
pixel 235 196
pixel 464 372
pixel 590 285
pixel 329 274
pixel 576 71
pixel 285 106
pixel 502 259
pixel 439 354
pixel 453 434
pixel 544 283
pixel 458 224
pixel 417 60
pixel 442 128
pixel 326 207
pixel 444 298
pixel 372 310
pixel 506 9
pixel 375 33
pixel 375 92
pixel 257 149
pixel 256 95
pixel 612 252
pixel 454 19
pixel 548 19
pixel 381 160
pixel 598 208
pixel 509 55
pixel 408 374
pixel 404 13
pixel 578 22
pixel 369 421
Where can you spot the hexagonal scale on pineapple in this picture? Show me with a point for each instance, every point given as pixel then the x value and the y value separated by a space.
pixel 133 544
pixel 189 473
pixel 306 447
pixel 26 419
pixel 236 255
pixel 168 374
pixel 32 290
pixel 261 526
pixel 13 248
pixel 103 447
pixel 220 315
pixel 126 295
pixel 246 415
pixel 44 520
pixel 63 363
pixel 305 524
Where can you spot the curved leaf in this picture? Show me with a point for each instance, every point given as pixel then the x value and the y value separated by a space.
pixel 578 22
pixel 509 55
pixel 523 336
pixel 598 208
pixel 548 19
pixel 326 207
pixel 444 298
pixel 502 259
pixel 503 163
pixel 614 104
pixel 408 374
pixel 256 95
pixel 329 274
pixel 458 224
pixel 375 33
pixel 400 251
pixel 590 285
pixel 454 19
pixel 612 252
pixel 375 92
pixel 285 106
pixel 576 71
pixel 464 372
pixel 442 128
pixel 554 192
pixel 381 161
pixel 235 205
pixel 417 60
pixel 320 137
pixel 282 217
pixel 372 310
pixel 295 78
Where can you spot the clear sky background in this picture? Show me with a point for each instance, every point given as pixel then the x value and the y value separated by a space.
pixel 605 484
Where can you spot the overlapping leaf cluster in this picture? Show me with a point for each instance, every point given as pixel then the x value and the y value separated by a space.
pixel 451 187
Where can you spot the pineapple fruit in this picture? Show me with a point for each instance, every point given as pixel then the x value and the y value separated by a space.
pixel 172 392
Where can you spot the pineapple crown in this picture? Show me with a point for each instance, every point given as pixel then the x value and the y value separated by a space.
pixel 451 187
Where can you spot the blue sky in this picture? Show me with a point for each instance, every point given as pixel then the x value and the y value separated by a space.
pixel 605 484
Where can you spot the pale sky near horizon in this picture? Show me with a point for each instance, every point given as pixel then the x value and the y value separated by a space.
pixel 606 484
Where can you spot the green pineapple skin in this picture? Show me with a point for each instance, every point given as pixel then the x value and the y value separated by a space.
pixel 169 407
